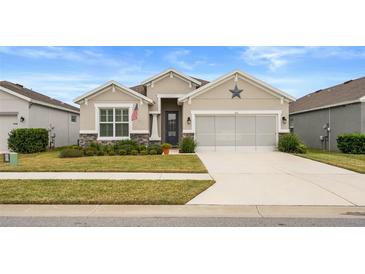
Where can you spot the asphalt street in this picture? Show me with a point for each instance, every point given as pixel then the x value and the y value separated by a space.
pixel 178 222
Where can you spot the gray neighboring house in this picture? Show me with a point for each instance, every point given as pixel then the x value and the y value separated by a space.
pixel 319 117
pixel 24 108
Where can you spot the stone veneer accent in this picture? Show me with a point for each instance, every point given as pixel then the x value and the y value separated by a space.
pixel 87 139
pixel 141 138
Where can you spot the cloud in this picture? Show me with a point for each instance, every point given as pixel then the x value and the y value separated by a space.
pixel 273 57
pixel 85 55
pixel 277 57
pixel 176 58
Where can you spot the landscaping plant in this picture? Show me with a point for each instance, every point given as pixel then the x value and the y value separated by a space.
pixel 291 143
pixel 166 148
pixel 71 153
pixel 28 140
pixel 351 143
pixel 156 148
pixel 187 145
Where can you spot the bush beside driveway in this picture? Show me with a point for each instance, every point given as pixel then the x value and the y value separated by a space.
pixel 49 161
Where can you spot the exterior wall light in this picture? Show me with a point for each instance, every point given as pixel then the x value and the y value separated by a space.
pixel 284 120
pixel 22 119
pixel 188 121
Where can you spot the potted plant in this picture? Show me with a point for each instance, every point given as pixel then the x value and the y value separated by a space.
pixel 166 148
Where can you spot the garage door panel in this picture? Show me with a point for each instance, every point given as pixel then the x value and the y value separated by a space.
pixel 205 130
pixel 245 124
pixel 7 123
pixel 245 139
pixel 225 130
pixel 265 124
pixel 266 140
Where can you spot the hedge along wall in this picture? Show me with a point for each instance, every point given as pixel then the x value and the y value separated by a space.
pixel 351 143
pixel 28 140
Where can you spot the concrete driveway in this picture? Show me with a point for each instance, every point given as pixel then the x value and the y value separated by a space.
pixel 275 178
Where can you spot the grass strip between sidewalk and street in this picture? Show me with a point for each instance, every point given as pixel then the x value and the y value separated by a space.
pixel 123 192
pixel 354 162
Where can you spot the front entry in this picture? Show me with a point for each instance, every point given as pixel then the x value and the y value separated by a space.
pixel 172 127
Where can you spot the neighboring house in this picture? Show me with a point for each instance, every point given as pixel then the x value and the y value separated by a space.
pixel 319 117
pixel 236 111
pixel 24 108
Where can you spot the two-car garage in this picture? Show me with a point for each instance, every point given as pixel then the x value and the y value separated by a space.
pixel 236 131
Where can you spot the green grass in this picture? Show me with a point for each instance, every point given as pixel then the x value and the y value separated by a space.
pixel 49 161
pixel 354 162
pixel 128 192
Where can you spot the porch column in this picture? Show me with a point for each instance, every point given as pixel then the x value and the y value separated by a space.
pixel 154 133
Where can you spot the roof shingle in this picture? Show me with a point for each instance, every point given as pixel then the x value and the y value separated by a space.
pixel 36 95
pixel 348 91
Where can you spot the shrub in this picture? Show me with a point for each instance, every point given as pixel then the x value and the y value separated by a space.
pixel 166 146
pixel 187 145
pixel 291 143
pixel 156 148
pixel 134 152
pixel 122 152
pixel 126 143
pixel 71 153
pixel 351 143
pixel 90 152
pixel 143 152
pixel 100 153
pixel 96 146
pixel 28 140
pixel 142 148
pixel 152 152
pixel 111 153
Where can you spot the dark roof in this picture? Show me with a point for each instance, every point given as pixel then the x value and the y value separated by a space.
pixel 348 91
pixel 140 89
pixel 204 82
pixel 36 95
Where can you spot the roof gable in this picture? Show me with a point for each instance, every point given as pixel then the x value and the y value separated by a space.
pixel 237 74
pixel 111 83
pixel 171 72
pixel 348 92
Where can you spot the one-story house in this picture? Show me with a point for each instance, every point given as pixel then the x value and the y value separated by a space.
pixel 21 107
pixel 235 111
pixel 319 117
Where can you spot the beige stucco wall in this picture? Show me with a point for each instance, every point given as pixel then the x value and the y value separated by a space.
pixel 253 98
pixel 87 111
pixel 167 85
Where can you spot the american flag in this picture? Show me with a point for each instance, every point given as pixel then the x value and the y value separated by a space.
pixel 135 112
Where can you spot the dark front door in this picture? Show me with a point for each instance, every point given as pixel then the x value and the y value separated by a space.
pixel 172 127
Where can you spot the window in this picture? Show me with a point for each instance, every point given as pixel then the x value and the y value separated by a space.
pixel 114 122
pixel 73 118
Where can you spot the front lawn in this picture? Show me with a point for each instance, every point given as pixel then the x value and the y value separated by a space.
pixel 128 192
pixel 354 162
pixel 49 161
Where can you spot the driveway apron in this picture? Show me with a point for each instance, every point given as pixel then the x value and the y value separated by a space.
pixel 275 178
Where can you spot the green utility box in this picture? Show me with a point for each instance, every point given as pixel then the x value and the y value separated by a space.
pixel 11 158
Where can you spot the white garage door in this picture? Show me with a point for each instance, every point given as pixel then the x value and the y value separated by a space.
pixel 7 123
pixel 236 132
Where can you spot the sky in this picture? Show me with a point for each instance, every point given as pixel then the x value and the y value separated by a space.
pixel 67 72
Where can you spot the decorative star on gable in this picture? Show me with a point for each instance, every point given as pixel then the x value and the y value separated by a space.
pixel 236 92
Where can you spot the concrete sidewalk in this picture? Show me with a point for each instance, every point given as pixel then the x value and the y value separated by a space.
pixel 178 211
pixel 103 176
